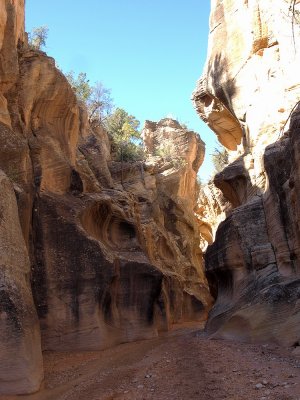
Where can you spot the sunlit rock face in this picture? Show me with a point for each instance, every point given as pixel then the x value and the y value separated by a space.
pixel 251 58
pixel 93 252
pixel 116 246
pixel 210 211
pixel 11 34
pixel 174 156
pixel 249 88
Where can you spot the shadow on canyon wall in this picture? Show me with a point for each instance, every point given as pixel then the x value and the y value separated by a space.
pixel 253 265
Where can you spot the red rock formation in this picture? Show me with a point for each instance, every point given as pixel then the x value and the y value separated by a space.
pixel 248 89
pixel 111 261
pixel 21 369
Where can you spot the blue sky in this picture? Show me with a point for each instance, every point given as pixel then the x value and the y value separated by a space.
pixel 149 53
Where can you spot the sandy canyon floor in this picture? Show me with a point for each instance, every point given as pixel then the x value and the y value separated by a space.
pixel 181 365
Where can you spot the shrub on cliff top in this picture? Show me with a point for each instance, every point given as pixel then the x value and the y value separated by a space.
pixel 97 98
pixel 126 138
pixel 168 152
pixel 37 37
pixel 121 127
pixel 80 85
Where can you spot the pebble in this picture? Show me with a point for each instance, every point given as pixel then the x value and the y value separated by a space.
pixel 147 376
pixel 140 386
pixel 259 386
pixel 265 382
pixel 296 351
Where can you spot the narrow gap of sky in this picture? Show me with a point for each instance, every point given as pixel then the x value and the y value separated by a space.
pixel 149 53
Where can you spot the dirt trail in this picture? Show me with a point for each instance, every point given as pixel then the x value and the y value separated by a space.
pixel 181 365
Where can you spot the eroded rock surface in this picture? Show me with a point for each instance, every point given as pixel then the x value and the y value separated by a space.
pixel 211 210
pixel 246 94
pixel 114 249
pixel 21 368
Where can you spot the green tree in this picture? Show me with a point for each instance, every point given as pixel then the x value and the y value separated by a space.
pixel 123 130
pixel 37 37
pixel 80 85
pixel 122 127
pixel 96 98
pixel 100 103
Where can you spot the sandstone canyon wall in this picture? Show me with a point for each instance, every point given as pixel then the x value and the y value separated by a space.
pixel 21 369
pixel 248 95
pixel 86 261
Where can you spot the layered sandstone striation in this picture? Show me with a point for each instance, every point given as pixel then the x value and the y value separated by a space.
pixel 20 348
pixel 248 95
pixel 93 252
pixel 21 367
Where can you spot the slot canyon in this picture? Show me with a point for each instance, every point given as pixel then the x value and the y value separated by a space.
pixel 130 280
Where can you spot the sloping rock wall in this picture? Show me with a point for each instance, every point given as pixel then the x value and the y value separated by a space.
pixel 21 367
pixel 248 95
pixel 93 252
